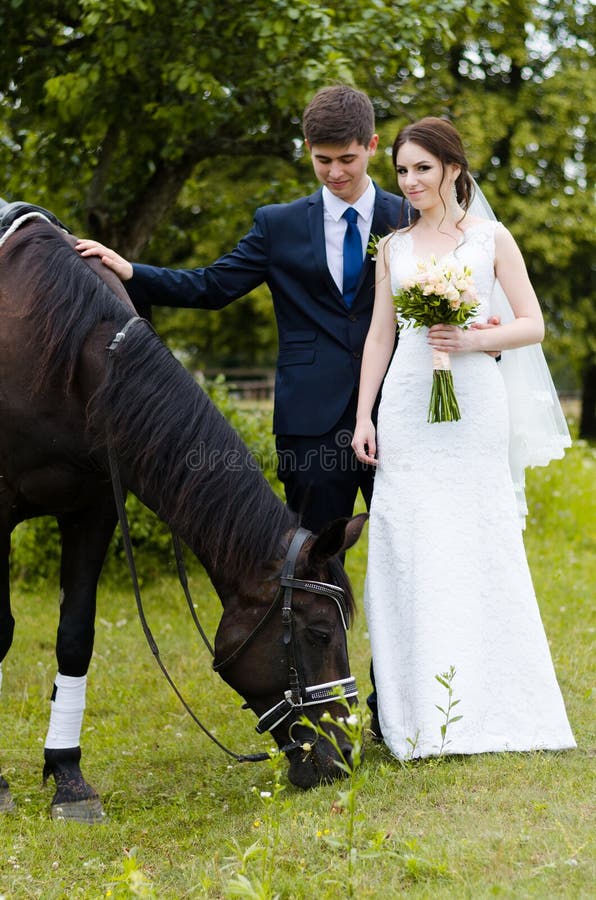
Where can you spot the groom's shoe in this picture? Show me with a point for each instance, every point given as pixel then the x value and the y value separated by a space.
pixel 375 728
pixel 371 702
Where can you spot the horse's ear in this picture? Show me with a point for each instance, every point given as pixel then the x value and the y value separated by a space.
pixel 337 537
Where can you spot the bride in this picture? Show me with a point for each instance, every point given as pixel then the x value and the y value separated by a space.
pixel 449 600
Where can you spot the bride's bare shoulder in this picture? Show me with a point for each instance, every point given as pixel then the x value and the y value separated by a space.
pixel 471 221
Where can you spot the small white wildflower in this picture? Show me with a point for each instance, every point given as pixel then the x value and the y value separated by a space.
pixel 352 719
pixel 265 793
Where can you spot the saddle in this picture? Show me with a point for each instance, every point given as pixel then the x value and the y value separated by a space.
pixel 13 215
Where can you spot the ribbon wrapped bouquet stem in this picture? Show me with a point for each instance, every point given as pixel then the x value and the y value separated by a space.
pixel 443 405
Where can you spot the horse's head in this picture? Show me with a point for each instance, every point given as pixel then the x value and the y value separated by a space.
pixel 281 644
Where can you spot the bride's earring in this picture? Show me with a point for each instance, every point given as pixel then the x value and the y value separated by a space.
pixel 454 192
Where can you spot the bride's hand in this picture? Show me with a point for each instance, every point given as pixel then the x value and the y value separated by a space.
pixel 109 258
pixel 451 339
pixel 364 442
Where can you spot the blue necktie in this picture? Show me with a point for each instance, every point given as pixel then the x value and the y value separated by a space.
pixel 352 255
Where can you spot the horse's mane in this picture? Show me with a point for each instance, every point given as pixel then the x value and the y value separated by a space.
pixel 205 481
pixel 62 295
pixel 182 452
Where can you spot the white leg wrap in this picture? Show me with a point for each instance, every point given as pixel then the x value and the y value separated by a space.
pixel 66 717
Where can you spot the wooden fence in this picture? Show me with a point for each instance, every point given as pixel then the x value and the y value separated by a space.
pixel 247 384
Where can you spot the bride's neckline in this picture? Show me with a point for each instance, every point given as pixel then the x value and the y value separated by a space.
pixel 464 232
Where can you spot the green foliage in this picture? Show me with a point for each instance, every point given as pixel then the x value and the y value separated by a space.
pixel 113 114
pixel 352 726
pixel 110 105
pixel 446 680
pixel 423 309
pixel 518 86
pixel 35 551
pixel 253 424
pixel 256 865
pixel 132 882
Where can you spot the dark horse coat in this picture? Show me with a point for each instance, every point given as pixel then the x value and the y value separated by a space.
pixel 57 316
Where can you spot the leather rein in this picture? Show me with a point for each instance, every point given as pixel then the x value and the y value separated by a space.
pixel 299 695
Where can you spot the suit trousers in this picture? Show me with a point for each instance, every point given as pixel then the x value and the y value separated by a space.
pixel 321 475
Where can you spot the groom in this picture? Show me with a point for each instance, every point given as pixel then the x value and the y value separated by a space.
pixel 322 297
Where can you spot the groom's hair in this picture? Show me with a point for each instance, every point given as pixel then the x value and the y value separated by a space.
pixel 339 115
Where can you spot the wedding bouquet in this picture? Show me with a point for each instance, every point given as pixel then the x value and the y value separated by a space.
pixel 439 295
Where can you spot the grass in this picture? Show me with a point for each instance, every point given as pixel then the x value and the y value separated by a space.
pixel 181 813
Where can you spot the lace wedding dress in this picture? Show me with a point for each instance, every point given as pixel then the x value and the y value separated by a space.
pixel 448 583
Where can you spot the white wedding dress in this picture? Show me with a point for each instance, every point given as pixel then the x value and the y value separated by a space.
pixel 448 583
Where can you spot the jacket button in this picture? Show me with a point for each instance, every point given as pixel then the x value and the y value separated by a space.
pixel 353 318
pixel 356 355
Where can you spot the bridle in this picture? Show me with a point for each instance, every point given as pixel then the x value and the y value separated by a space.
pixel 299 695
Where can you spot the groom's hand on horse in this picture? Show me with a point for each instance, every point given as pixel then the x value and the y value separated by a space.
pixel 109 258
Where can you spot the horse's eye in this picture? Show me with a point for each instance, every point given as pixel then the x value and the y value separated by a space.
pixel 318 636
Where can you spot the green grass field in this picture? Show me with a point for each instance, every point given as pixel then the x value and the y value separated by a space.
pixel 181 814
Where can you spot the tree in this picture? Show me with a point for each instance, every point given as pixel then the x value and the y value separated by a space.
pixel 519 88
pixel 111 104
pixel 157 128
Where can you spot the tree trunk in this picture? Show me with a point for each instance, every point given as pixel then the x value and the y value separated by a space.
pixel 587 424
pixel 152 206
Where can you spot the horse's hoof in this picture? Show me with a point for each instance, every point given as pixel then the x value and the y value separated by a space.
pixel 7 804
pixel 88 811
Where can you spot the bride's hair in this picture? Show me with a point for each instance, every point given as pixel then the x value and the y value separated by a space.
pixel 439 137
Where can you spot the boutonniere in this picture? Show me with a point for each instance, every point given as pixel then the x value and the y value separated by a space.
pixel 372 245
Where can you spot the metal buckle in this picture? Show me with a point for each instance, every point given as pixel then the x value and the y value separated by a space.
pixel 318 693
pixel 332 591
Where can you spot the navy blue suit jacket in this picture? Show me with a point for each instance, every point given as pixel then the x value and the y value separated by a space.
pixel 320 339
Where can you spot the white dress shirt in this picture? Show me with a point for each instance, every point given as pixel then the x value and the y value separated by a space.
pixel 335 227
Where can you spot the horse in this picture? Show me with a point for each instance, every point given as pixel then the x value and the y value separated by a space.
pixel 66 402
